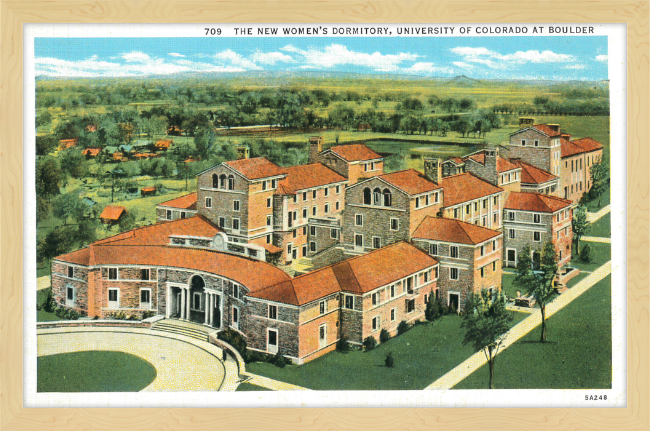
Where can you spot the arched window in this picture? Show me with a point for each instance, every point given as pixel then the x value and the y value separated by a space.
pixel 376 197
pixel 215 181
pixel 231 182
pixel 366 196
pixel 387 198
pixel 222 180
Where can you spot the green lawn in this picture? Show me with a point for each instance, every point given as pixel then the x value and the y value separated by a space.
pixel 601 227
pixel 42 315
pixel 97 371
pixel 601 253
pixel 422 355
pixel 605 200
pixel 244 387
pixel 577 355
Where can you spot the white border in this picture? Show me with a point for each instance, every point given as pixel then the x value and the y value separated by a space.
pixel 617 396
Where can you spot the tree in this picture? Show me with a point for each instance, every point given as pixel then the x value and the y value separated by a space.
pixel 432 309
pixel 43 208
pixel 46 144
pixel 539 284
pixel 48 177
pixel 86 231
pixel 55 243
pixel 127 222
pixel 204 141
pixel 580 225
pixel 598 172
pixel 74 163
pixel 410 124
pixel 486 322
pixel 70 205
pixel 43 117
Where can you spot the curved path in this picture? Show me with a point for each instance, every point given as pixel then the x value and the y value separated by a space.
pixel 182 363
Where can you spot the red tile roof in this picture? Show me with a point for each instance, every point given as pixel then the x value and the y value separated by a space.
pixel 451 230
pixel 568 148
pixel 80 257
pixel 465 187
pixel 256 168
pixel 410 181
pixel 163 143
pixel 355 152
pixel 358 275
pixel 186 202
pixel 536 202
pixel 303 177
pixel 546 130
pixel 112 212
pixel 588 144
pixel 455 159
pixel 503 165
pixel 91 151
pixel 532 174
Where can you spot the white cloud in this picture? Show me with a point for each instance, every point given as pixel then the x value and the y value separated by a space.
pixel 462 64
pixel 534 56
pixel 135 56
pixel 602 58
pixel 339 55
pixel 576 66
pixel 495 60
pixel 175 54
pixel 230 58
pixel 425 68
pixel 271 57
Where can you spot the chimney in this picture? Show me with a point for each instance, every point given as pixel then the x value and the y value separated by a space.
pixel 526 121
pixel 315 147
pixel 491 159
pixel 243 152
pixel 433 169
pixel 555 127
pixel 566 136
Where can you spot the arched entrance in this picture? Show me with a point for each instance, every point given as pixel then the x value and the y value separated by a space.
pixel 197 299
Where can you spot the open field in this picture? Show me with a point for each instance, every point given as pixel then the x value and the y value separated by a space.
pixel 577 355
pixel 601 227
pixel 421 356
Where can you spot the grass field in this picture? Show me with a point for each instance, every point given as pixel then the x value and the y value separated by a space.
pixel 601 227
pixel 601 253
pixel 244 387
pixel 577 355
pixel 421 356
pixel 42 315
pixel 96 371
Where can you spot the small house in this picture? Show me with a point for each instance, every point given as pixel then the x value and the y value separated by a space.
pixel 64 144
pixel 163 145
pixel 112 214
pixel 91 152
pixel 147 191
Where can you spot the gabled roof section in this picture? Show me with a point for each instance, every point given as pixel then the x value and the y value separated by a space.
pixel 532 174
pixel 303 177
pixel 112 212
pixel 455 231
pixel 588 144
pixel 255 168
pixel 465 187
pixel 410 181
pixel 186 202
pixel 542 128
pixel 80 257
pixel 568 148
pixel 354 152
pixel 536 202
pixel 455 160
pixel 503 165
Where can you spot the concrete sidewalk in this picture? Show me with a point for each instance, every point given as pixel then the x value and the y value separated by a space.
pixel 43 282
pixel 274 385
pixel 477 360
pixel 596 239
pixel 592 217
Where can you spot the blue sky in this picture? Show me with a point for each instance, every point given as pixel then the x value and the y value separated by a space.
pixel 542 57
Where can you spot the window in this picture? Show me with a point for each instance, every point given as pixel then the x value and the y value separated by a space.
pixel 433 249
pixel 231 182
pixel 394 224
pixel 304 250
pixel 511 233
pixel 222 222
pixel 410 306
pixel 511 215
pixel 313 211
pixel 235 205
pixel 327 207
pixel 295 233
pixel 468 208
pixel 304 196
pixel 145 298
pixel 392 291
pixel 312 230
pixel 475 206
pixel 455 212
pixel 392 315
pixel 484 203
pixel 304 213
pixel 375 323
pixel 222 181
pixel 482 272
pixel 333 233
pixel 264 185
pixel 208 202
pixel 322 307
pixel 183 215
pixel 273 312
pixel 215 181
pixel 338 205
pixel 417 202
pixel 387 198
pixel 322 336
pixel 358 220
pixel 482 250
pixel 435 197
pixel 338 189
pixel 376 242
pixel 536 143
pixel 313 194
pixel 274 183
pixel 523 142
pixel 268 202
pixel 453 273
pixel 349 302
pixel 235 290
pixel 169 215
pixel 376 197
pixel 494 245
pixel 304 230
pixel 69 296
pixel 375 298
pixel 144 274
pixel 537 218
pixel 494 266
pixel 113 298
pixel 312 246
pixel 536 236
pixel 112 273
pixel 235 224
pixel 453 251
pixel 269 220
pixel 496 200
pixel 70 271
pixel 367 196
pixel 326 190
pixel 268 239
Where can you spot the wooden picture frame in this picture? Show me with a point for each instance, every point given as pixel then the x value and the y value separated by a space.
pixel 13 416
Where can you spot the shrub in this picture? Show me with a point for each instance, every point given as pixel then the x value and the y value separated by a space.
pixel 235 339
pixel 389 361
pixel 444 309
pixel 279 360
pixel 384 336
pixel 255 356
pixel 586 255
pixel 133 317
pixel 343 345
pixel 60 312
pixel 432 310
pixel 147 314
pixel 369 343
pixel 72 315
pixel 403 327
pixel 49 304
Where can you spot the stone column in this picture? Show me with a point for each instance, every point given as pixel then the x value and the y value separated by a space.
pixel 207 308
pixel 214 301
pixel 187 304
pixel 168 305
pixel 182 304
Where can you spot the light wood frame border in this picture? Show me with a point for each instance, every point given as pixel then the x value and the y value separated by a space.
pixel 14 13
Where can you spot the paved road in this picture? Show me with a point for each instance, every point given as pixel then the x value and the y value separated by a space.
pixel 477 360
pixel 592 217
pixel 182 363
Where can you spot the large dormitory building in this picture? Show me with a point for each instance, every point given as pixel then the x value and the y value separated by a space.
pixel 295 258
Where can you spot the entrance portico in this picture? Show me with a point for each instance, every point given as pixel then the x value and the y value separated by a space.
pixel 193 302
